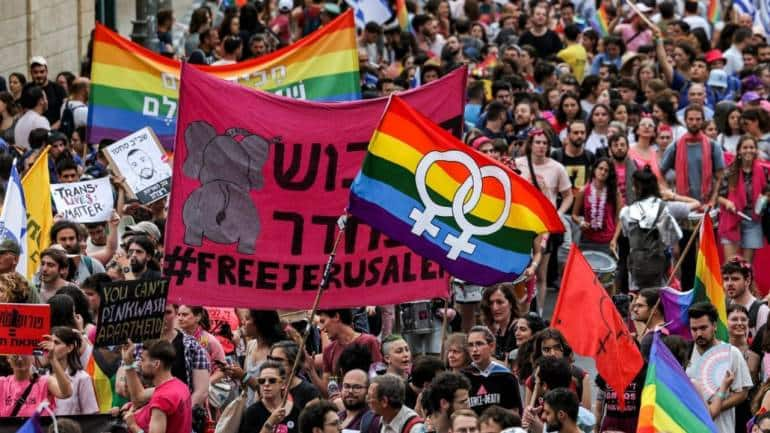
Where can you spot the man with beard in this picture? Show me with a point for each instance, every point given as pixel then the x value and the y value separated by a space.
pixel 642 312
pixel 448 392
pixel 145 173
pixel 575 158
pixel 53 262
pixel 545 40
pixel 624 167
pixel 703 320
pixel 66 234
pixel 140 251
pixel 357 416
pixel 736 275
pixel 560 410
pixel 54 92
pixel 491 382
pixel 169 407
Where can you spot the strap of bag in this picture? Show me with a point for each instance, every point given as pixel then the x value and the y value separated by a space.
pixel 23 399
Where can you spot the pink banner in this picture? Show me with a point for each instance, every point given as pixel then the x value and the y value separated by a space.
pixel 259 182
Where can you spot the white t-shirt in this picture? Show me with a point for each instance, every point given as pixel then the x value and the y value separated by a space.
pixel 762 314
pixel 79 112
pixel 725 421
pixel 26 123
pixel 697 21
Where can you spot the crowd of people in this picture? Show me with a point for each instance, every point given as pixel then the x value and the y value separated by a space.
pixel 634 129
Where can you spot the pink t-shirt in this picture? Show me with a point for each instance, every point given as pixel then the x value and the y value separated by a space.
pixel 633 40
pixel 620 171
pixel 11 390
pixel 172 398
pixel 551 177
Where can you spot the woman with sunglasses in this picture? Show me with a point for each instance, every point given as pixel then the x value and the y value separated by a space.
pixel 643 151
pixel 267 415
pixel 285 353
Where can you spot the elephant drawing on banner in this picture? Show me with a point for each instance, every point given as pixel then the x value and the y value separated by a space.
pixel 221 209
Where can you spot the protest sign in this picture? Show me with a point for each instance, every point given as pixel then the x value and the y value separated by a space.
pixel 89 201
pixel 133 87
pixel 142 161
pixel 22 327
pixel 256 199
pixel 131 309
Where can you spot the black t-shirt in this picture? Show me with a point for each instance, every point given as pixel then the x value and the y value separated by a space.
pixel 578 167
pixel 546 45
pixel 410 397
pixel 256 415
pixel 506 342
pixel 304 393
pixel 179 367
pixel 500 387
pixel 56 96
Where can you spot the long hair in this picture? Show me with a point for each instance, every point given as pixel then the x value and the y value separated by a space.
pixel 722 120
pixel 550 334
pixel 486 308
pixel 70 337
pixel 612 180
pixel 528 154
pixel 646 183
pixel 665 105
pixel 590 120
pixel 561 116
pixel 268 326
pixel 734 170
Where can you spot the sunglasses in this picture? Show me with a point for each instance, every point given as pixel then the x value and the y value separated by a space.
pixel 270 380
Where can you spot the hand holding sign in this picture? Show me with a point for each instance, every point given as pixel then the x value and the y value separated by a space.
pixel 127 352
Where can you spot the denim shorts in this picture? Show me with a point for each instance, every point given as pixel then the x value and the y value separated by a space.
pixel 752 237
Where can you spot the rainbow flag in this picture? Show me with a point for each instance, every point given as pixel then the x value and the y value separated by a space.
pixel 714 11
pixel 601 22
pixel 708 276
pixel 670 402
pixel 424 188
pixel 403 15
pixel 675 305
pixel 132 87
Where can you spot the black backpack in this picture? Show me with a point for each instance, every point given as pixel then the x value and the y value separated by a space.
pixel 754 312
pixel 647 261
pixel 67 125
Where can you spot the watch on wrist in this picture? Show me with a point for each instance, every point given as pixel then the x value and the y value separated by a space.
pixel 126 269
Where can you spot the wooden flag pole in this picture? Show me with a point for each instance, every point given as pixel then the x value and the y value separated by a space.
pixel 678 265
pixel 444 325
pixel 321 287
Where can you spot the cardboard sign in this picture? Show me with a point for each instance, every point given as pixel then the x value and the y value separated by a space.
pixel 131 309
pixel 22 327
pixel 140 158
pixel 89 201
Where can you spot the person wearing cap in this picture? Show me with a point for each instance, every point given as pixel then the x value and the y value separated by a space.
pixel 635 33
pixel 9 255
pixel 55 93
pixel 145 228
pixel 35 103
pixel 329 11
pixel 716 62
pixel 281 24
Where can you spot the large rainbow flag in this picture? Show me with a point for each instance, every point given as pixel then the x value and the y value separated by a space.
pixel 449 203
pixel 670 402
pixel 132 87
pixel 708 276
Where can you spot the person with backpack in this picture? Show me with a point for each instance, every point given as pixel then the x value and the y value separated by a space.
pixel 74 110
pixel 737 278
pixel 386 399
pixel 651 231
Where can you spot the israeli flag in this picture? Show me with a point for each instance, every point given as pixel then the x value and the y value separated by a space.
pixel 370 10
pixel 746 7
pixel 764 15
pixel 13 219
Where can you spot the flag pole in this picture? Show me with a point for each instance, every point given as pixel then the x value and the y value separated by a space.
pixel 678 265
pixel 341 222
pixel 444 325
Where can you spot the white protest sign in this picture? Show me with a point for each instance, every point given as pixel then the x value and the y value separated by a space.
pixel 89 201
pixel 141 159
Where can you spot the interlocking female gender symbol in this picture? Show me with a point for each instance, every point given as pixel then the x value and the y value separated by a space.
pixel 460 206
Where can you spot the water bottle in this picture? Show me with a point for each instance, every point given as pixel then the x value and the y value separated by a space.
pixel 761 203
pixel 333 388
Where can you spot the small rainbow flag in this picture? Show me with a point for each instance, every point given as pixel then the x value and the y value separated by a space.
pixel 675 305
pixel 132 87
pixel 403 15
pixel 670 402
pixel 708 276
pixel 601 22
pixel 449 203
pixel 714 11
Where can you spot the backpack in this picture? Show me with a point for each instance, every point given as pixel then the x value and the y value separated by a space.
pixel 647 261
pixel 754 311
pixel 411 422
pixel 67 125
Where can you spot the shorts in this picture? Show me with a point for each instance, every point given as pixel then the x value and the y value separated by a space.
pixel 752 237
pixel 554 242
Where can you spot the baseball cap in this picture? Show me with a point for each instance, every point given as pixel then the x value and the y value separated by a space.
pixel 38 60
pixel 10 246
pixel 643 8
pixel 714 56
pixel 285 5
pixel 717 78
pixel 331 8
pixel 145 227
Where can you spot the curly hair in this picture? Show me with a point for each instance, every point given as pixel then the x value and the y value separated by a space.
pixel 14 288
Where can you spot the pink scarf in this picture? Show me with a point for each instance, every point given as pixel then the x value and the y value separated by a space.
pixel 729 221
pixel 682 180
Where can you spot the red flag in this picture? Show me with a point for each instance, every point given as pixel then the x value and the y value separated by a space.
pixel 587 317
